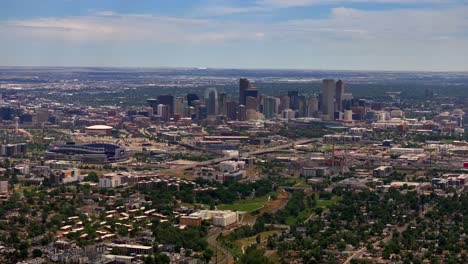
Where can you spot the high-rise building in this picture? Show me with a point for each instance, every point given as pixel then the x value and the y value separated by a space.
pixel 167 99
pixel 293 100
pixel 201 112
pixel 222 99
pixel 244 84
pixel 179 106
pixel 251 92
pixel 242 116
pixel 211 101
pixel 251 103
pixel 231 110
pixel 301 105
pixel 163 112
pixel 284 102
pixel 153 103
pixel 340 90
pixel 191 98
pixel 348 115
pixel 270 106
pixel 328 98
pixel 312 106
pixel 288 114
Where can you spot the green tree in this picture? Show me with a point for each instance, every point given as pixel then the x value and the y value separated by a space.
pixel 37 253
pixel 207 254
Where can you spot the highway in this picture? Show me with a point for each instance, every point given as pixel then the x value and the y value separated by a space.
pixel 244 155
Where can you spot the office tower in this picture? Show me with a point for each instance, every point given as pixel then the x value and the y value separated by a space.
pixel 242 116
pixel 328 98
pixel 251 103
pixel 231 110
pixel 149 111
pixel 301 105
pixel 270 106
pixel 312 106
pixel 222 99
pixel 167 99
pixel 211 101
pixel 190 111
pixel 153 103
pixel 191 98
pixel 340 90
pixel 244 84
pixel 201 112
pixel 284 103
pixel 251 92
pixel 348 115
pixel 179 106
pixel 293 100
pixel 163 112
pixel 348 103
pixel 288 114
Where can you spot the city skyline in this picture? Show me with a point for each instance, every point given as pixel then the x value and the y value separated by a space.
pixel 269 34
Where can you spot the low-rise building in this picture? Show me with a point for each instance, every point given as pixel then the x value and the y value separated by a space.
pixel 219 218
pixel 382 171
pixel 315 172
pixel 190 220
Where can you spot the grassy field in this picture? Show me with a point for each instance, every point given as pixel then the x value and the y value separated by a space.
pixel 328 203
pixel 303 215
pixel 246 205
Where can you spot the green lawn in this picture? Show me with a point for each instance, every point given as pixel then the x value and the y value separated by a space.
pixel 328 203
pixel 246 205
pixel 291 220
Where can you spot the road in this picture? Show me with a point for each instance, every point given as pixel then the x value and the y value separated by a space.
pixel 244 155
pixel 222 254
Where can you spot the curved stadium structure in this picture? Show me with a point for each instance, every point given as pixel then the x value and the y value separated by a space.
pixel 88 153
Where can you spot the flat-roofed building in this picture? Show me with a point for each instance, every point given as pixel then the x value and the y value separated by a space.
pixel 129 249
pixel 190 220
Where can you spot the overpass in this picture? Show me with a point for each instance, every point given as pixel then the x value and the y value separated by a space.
pixel 244 155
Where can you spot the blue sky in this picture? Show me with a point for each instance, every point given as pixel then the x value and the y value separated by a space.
pixel 305 34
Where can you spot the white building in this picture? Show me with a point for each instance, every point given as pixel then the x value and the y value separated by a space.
pixel 111 180
pixel 231 165
pixel 382 171
pixel 348 115
pixel 98 130
pixel 220 218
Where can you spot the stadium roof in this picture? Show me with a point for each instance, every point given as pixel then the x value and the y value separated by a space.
pixel 99 127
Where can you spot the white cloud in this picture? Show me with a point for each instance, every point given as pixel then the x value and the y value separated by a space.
pixel 295 3
pixel 343 23
pixel 110 26
pixel 262 6
pixel 406 36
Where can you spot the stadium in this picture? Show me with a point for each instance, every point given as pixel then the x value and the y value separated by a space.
pixel 87 153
